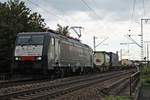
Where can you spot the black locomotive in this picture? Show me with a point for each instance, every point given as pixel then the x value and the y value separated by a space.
pixel 47 53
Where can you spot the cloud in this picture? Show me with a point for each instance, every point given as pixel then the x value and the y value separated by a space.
pixel 114 18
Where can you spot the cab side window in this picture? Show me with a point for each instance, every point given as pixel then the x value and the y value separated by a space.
pixel 52 41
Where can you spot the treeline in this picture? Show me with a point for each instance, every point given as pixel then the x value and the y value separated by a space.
pixel 15 17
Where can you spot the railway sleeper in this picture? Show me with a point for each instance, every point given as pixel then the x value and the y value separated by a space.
pixel 46 86
pixel 119 88
pixel 106 90
pixel 60 91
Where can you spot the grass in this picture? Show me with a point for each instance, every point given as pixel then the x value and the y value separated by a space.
pixel 118 98
pixel 145 75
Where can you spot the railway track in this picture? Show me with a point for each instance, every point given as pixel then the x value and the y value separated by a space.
pixel 116 87
pixel 4 76
pixel 50 89
pixel 15 82
pixel 26 81
pixel 95 91
pixel 124 86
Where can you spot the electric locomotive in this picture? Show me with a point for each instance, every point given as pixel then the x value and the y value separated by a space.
pixel 47 53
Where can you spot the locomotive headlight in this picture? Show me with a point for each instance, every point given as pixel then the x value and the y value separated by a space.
pixel 39 58
pixel 17 58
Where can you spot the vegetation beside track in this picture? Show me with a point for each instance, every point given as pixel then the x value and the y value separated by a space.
pixel 145 75
pixel 118 98
pixel 15 17
pixel 145 83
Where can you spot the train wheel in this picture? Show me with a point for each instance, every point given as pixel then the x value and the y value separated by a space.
pixel 59 73
pixel 62 73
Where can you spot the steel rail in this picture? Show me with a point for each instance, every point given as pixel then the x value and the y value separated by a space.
pixel 69 87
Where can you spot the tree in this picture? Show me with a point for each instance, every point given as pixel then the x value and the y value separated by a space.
pixel 63 30
pixel 15 17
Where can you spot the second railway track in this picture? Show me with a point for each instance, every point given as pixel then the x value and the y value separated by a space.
pixel 49 89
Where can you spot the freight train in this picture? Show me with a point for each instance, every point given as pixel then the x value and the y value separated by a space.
pixel 104 61
pixel 128 63
pixel 49 53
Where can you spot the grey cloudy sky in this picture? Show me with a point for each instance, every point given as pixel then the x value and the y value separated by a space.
pixel 113 19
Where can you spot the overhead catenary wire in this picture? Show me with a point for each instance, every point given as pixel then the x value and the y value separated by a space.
pixel 132 14
pixel 144 12
pixel 63 12
pixel 93 11
pixel 90 8
pixel 94 2
pixel 133 9
pixel 47 11
pixel 63 18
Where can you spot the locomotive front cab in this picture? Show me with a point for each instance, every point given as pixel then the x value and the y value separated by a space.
pixel 28 55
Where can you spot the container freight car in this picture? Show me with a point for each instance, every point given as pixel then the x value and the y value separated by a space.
pixel 106 60
pixel 101 60
pixel 49 53
pixel 126 63
pixel 114 60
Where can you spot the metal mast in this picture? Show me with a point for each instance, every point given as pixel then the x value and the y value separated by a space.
pixel 94 42
pixel 142 51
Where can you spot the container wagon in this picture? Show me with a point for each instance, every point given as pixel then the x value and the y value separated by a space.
pixel 114 60
pixel 126 63
pixel 101 60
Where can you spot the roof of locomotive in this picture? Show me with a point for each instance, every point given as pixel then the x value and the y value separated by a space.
pixel 105 52
pixel 32 33
pixel 100 52
pixel 55 34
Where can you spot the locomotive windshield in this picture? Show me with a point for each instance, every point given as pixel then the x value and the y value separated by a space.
pixel 30 40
